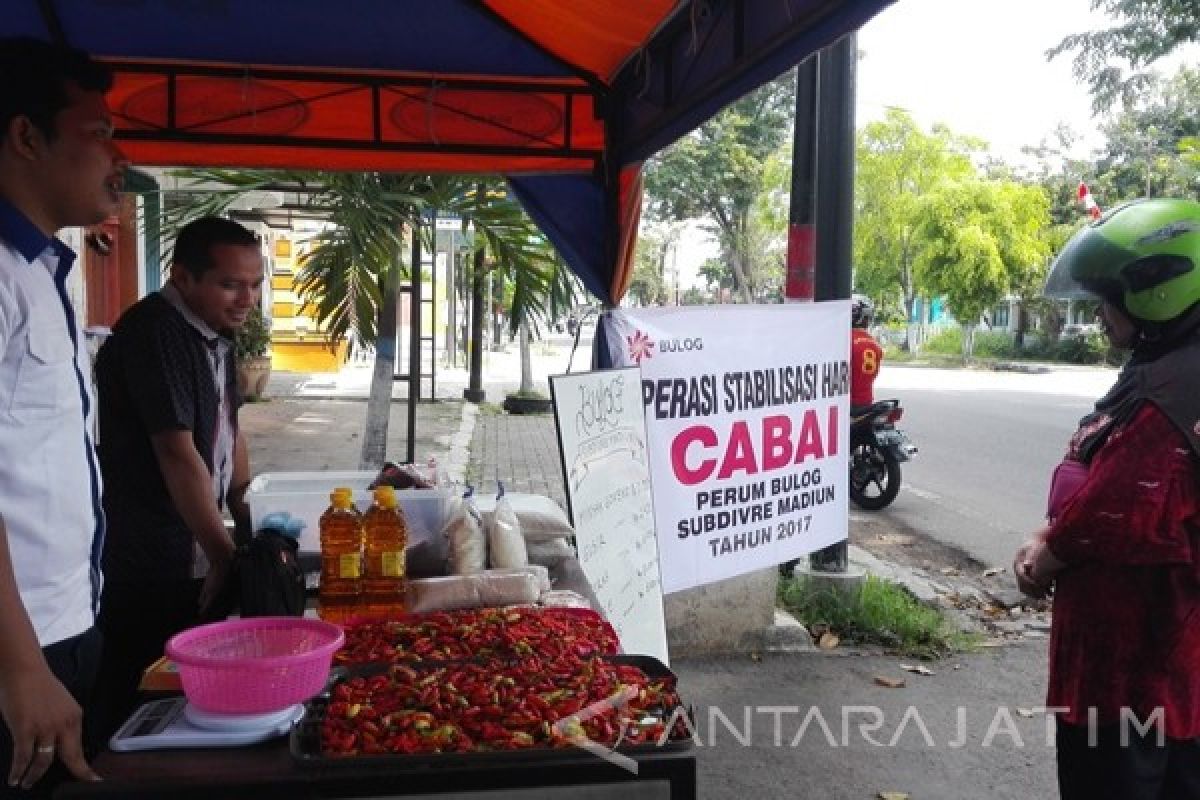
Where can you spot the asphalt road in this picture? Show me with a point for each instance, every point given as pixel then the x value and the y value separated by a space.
pixel 817 725
pixel 988 443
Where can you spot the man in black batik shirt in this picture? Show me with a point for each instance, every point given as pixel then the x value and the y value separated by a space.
pixel 171 453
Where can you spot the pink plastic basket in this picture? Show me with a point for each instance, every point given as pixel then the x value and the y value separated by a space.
pixel 255 665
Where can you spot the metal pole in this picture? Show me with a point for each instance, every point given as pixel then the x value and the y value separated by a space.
pixel 835 172
pixel 433 294
pixel 414 342
pixel 835 207
pixel 451 304
pixel 802 252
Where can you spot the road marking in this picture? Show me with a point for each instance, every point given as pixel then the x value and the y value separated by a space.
pixel 921 493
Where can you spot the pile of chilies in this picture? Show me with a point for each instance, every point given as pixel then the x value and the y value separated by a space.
pixel 493 679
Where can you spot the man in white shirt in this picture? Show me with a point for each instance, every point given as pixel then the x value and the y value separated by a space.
pixel 59 167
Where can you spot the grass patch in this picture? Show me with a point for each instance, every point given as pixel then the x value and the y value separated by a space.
pixel 491 409
pixel 884 614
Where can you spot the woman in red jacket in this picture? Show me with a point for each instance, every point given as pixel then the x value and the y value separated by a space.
pixel 1121 549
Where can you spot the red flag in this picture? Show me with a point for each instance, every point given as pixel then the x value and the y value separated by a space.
pixel 1089 202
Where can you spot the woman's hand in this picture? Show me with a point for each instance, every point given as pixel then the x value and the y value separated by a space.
pixel 1034 566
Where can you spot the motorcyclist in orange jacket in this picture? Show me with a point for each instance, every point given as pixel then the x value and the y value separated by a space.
pixel 866 356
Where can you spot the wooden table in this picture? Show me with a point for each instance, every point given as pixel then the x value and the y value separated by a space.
pixel 269 771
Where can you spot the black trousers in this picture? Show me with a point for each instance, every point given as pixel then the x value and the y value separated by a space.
pixel 1141 769
pixel 74 662
pixel 137 620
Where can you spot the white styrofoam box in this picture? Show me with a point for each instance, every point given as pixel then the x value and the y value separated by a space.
pixel 306 495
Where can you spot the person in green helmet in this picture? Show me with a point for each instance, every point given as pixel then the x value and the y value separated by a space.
pixel 1121 547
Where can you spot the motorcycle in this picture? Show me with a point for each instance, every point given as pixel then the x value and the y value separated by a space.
pixel 877 447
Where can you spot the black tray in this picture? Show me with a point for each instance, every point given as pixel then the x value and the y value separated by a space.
pixel 305 740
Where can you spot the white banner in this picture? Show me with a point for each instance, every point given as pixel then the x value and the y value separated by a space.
pixel 747 427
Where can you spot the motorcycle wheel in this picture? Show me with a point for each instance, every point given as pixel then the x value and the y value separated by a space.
pixel 874 477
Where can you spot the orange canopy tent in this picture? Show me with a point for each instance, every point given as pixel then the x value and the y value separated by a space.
pixel 564 97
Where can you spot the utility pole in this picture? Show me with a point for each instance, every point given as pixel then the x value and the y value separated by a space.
pixel 800 281
pixel 835 207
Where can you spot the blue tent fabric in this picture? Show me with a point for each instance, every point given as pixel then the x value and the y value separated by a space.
pixel 442 37
pixel 689 73
pixel 567 209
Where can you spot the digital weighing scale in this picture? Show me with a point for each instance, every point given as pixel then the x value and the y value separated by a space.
pixel 172 722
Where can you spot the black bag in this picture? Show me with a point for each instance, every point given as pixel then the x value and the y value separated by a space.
pixel 269 578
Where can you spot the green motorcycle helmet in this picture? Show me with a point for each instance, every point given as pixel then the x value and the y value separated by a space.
pixel 1144 256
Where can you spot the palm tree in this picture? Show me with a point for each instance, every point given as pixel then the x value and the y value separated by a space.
pixel 351 274
pixel 560 297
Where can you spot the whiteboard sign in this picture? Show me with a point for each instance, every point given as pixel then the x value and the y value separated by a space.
pixel 602 438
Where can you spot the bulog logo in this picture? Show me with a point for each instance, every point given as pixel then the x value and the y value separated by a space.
pixel 640 346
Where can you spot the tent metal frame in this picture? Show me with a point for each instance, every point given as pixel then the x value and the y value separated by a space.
pixel 343 83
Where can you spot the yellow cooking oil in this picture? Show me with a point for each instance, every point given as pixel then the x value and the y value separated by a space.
pixel 341 526
pixel 386 537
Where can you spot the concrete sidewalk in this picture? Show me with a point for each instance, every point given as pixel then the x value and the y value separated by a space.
pixel 315 421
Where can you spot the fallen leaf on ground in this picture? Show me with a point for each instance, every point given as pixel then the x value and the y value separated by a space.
pixel 893 796
pixel 889 683
pixel 990 571
pixel 920 669
pixel 950 571
pixel 828 641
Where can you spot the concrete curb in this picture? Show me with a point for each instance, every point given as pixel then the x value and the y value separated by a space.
pixel 787 635
pixel 460 444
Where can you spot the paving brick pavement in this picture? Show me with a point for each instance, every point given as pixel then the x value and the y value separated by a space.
pixel 299 429
pixel 293 433
pixel 520 451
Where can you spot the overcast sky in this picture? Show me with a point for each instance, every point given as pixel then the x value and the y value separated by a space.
pixel 979 67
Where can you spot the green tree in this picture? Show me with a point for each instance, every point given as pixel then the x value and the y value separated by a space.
pixel 720 170
pixel 766 231
pixel 561 295
pixel 979 240
pixel 898 164
pixel 1142 32
pixel 717 276
pixel 1145 149
pixel 1059 174
pixel 648 285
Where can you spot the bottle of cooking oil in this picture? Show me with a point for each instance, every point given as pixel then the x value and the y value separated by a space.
pixel 341 558
pixel 386 535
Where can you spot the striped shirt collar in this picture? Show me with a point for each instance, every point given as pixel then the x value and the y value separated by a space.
pixel 171 294
pixel 27 238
